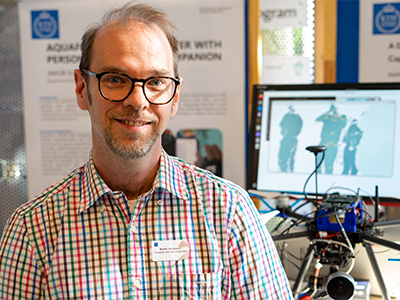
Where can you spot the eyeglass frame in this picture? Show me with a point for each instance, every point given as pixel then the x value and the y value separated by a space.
pixel 177 81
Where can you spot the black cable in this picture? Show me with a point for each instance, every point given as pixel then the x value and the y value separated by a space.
pixel 295 223
pixel 366 213
pixel 321 295
pixel 294 256
pixel 301 205
pixel 284 253
pixel 294 264
pixel 305 184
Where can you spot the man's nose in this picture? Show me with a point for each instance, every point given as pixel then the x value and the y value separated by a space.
pixel 137 99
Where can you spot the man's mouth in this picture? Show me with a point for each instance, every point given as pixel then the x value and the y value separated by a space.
pixel 133 123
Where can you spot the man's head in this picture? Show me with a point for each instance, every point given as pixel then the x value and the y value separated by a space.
pixel 130 12
pixel 129 48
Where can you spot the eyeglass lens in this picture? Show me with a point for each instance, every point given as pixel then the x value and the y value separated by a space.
pixel 118 86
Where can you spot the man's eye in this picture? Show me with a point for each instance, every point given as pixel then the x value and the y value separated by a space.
pixel 156 82
pixel 113 79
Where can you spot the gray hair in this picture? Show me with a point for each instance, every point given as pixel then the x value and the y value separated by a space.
pixel 131 11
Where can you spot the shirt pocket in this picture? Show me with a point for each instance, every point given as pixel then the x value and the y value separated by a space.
pixel 205 286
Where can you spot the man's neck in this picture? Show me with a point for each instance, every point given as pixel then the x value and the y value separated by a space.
pixel 131 176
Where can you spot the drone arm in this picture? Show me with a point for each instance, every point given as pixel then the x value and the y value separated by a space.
pixel 376 240
pixel 303 270
pixel 289 236
pixel 378 275
pixel 387 223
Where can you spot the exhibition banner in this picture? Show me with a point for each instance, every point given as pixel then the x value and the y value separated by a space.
pixel 209 129
pixel 368 41
pixel 379 41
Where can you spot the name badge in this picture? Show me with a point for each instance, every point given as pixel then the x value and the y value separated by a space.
pixel 170 250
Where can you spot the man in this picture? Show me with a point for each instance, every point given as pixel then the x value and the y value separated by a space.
pixel 352 139
pixel 330 134
pixel 135 223
pixel 291 125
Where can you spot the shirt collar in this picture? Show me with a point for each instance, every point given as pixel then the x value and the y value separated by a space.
pixel 170 177
pixel 93 186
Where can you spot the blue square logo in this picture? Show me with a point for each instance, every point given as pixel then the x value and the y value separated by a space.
pixel 386 18
pixel 45 24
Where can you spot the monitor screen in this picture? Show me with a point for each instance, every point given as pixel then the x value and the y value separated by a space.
pixel 357 123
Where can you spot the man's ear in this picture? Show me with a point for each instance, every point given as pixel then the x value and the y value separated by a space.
pixel 81 90
pixel 175 101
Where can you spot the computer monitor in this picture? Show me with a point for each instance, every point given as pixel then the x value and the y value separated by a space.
pixel 358 123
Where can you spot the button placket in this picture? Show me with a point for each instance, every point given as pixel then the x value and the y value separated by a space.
pixel 135 251
pixel 137 282
pixel 102 208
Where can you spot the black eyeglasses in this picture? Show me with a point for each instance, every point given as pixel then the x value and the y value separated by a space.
pixel 117 87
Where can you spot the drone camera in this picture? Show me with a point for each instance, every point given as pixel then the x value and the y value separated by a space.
pixel 340 286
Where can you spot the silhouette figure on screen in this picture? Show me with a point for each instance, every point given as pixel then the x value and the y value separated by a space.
pixel 333 125
pixel 351 139
pixel 290 128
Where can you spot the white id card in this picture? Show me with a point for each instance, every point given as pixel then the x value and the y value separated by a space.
pixel 170 250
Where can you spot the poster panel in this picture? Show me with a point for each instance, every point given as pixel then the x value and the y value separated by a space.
pixel 283 13
pixel 379 41
pixel 211 116
pixel 278 20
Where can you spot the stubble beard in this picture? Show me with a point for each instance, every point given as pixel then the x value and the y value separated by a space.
pixel 135 148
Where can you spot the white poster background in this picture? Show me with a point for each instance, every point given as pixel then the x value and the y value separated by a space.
pixel 211 35
pixel 379 54
pixel 285 69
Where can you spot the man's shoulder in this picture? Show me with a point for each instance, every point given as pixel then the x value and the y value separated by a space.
pixel 53 193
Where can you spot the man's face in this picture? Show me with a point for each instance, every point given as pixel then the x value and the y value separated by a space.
pixel 132 128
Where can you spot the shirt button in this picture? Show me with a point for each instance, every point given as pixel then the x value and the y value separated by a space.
pixel 102 209
pixel 134 228
pixel 159 202
pixel 137 282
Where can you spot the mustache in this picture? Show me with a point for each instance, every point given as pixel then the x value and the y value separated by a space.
pixel 130 114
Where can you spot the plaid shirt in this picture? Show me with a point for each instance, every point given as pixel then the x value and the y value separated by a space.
pixel 79 240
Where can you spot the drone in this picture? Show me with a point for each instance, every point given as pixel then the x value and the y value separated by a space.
pixel 336 225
